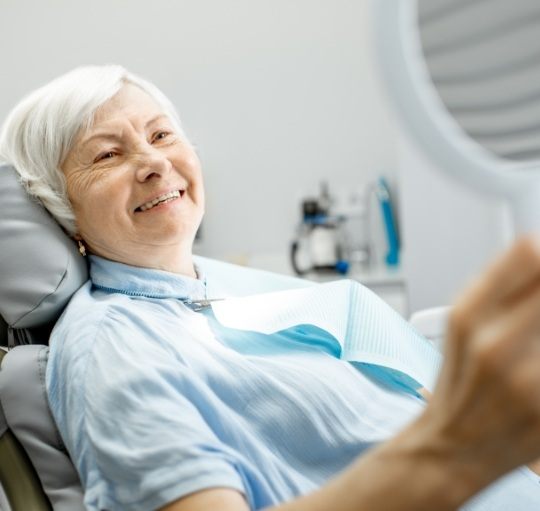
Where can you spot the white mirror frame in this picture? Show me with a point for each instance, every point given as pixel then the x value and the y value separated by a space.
pixel 404 70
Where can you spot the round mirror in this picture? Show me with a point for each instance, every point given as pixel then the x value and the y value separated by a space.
pixel 464 76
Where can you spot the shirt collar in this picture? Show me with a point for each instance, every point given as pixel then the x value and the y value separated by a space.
pixel 137 281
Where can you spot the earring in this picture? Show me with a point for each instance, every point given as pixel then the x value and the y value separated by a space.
pixel 82 248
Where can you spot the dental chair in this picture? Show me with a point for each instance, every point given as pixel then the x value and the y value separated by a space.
pixel 39 271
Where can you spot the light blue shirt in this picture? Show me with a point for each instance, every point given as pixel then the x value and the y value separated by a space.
pixel 154 401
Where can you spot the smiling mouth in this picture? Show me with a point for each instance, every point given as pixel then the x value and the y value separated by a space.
pixel 162 199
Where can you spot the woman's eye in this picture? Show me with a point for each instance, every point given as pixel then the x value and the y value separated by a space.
pixel 105 156
pixel 160 135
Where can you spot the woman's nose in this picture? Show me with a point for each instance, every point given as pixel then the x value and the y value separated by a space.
pixel 152 163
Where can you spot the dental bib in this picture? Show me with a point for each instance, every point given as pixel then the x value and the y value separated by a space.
pixel 343 318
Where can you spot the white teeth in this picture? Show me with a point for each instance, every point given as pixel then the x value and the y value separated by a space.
pixel 162 198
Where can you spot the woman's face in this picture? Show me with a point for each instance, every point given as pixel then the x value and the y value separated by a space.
pixel 135 184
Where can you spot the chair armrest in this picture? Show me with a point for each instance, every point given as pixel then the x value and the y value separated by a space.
pixel 432 323
pixel 19 480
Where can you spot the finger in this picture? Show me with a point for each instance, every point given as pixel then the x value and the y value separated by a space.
pixel 514 332
pixel 488 306
pixel 509 276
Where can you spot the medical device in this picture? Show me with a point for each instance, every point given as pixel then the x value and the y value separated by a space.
pixel 465 79
pixel 319 245
pixel 335 236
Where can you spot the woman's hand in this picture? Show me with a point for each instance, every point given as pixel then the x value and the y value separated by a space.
pixel 485 411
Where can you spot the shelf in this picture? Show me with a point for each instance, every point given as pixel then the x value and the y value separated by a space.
pixel 371 277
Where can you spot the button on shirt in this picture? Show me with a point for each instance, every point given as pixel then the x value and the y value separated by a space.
pixel 154 404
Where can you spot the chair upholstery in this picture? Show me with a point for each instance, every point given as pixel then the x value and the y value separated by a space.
pixel 40 269
pixel 4 504
pixel 21 488
pixel 23 398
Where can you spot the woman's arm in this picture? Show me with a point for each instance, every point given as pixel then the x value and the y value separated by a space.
pixel 488 396
pixel 400 475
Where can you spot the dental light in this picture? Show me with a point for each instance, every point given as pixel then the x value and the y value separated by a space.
pixel 464 76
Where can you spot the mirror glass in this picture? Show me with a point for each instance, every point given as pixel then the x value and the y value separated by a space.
pixel 483 57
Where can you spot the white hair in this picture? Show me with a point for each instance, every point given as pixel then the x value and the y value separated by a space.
pixel 39 132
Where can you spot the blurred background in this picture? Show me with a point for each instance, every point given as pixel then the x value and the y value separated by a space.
pixel 300 148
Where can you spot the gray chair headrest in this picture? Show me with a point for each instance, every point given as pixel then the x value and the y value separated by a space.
pixel 40 267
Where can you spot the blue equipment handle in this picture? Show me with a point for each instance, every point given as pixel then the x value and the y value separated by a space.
pixel 383 194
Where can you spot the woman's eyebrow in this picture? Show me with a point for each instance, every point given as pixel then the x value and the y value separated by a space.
pixel 108 135
pixel 158 117
pixel 104 135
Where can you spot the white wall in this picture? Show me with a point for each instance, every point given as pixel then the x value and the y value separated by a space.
pixel 450 232
pixel 277 94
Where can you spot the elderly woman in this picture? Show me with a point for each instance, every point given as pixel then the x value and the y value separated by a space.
pixel 160 412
